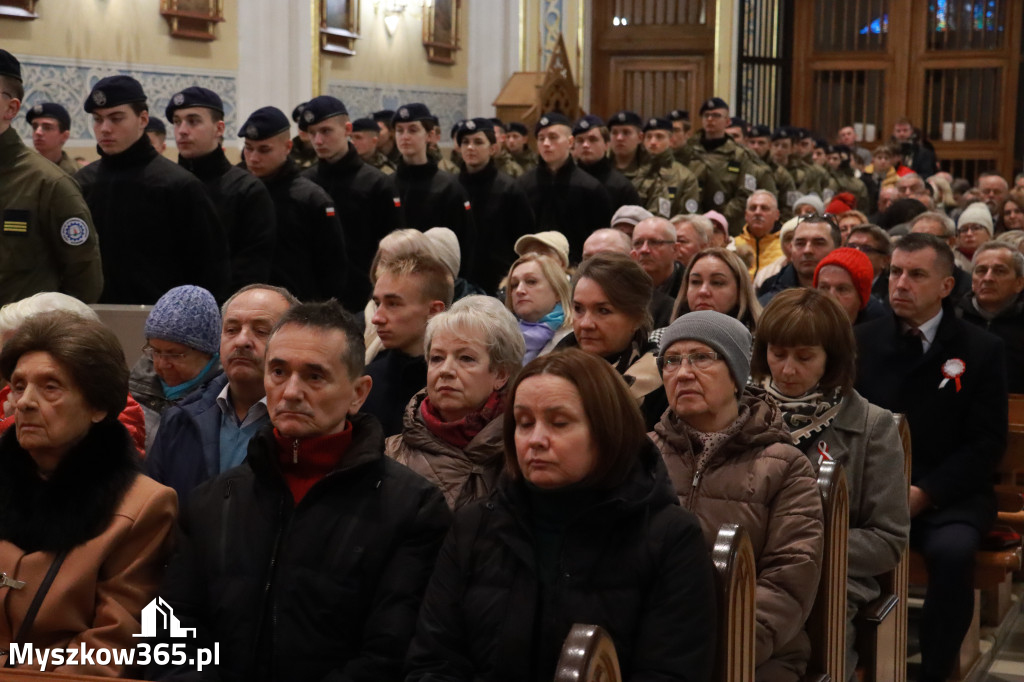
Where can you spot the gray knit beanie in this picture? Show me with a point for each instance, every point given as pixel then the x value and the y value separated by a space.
pixel 726 336
pixel 187 315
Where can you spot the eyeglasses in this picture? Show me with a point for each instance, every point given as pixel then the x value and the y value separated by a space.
pixel 970 228
pixel 713 115
pixel 698 361
pixel 639 243
pixel 154 354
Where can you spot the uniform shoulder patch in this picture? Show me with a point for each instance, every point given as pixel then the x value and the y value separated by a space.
pixel 74 231
pixel 733 167
pixel 329 211
pixel 750 182
pixel 691 205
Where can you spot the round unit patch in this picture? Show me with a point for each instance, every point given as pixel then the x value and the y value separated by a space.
pixel 74 231
pixel 719 198
pixel 691 205
pixel 179 99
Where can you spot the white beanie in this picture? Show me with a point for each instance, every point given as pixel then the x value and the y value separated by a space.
pixel 977 214
pixel 445 247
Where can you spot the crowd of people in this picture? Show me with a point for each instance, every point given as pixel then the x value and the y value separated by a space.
pixel 407 416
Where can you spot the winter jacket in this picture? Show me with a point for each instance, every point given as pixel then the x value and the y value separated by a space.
pixel 629 560
pixel 144 385
pixel 1007 325
pixel 760 481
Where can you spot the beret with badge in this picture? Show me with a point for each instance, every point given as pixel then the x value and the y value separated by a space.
pixel 476 125
pixel 658 124
pixel 713 103
pixel 626 118
pixel 194 96
pixel 409 113
pixel 552 118
pixel 50 110
pixel 114 91
pixel 264 123
pixel 588 122
pixel 320 109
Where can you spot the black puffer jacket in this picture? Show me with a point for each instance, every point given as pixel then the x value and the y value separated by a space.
pixel 630 560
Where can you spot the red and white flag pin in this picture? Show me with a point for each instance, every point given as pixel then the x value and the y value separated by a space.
pixel 952 369
pixel 823 455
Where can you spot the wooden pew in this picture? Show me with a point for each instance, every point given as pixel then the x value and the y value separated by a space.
pixel 735 578
pixel 827 623
pixel 588 655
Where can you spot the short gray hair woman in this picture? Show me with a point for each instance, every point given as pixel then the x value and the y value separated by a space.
pixel 452 429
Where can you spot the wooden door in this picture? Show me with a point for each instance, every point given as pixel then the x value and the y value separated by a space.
pixel 656 85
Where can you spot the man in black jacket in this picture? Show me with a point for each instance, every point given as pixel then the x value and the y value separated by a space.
pixel 948 378
pixel 590 149
pixel 242 202
pixel 309 561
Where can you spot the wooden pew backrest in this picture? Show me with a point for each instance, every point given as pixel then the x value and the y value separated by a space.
pixel 588 655
pixel 736 579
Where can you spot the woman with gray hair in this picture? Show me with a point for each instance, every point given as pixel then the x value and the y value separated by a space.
pixel 452 430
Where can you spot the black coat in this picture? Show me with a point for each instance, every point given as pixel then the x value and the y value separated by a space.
pixel 245 210
pixel 958 436
pixel 365 202
pixel 621 190
pixel 569 201
pixel 433 198
pixel 326 589
pixel 1009 326
pixel 309 259
pixel 397 377
pixel 157 227
pixel 502 215
pixel 630 560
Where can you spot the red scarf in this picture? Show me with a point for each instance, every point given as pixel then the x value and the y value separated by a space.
pixel 460 433
pixel 316 457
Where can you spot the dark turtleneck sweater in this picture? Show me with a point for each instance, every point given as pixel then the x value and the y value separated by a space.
pixel 433 198
pixel 622 191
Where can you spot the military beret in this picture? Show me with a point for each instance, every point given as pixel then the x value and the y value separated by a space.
pixel 264 123
pixel 552 118
pixel 434 121
pixel 194 96
pixel 713 103
pixel 114 91
pixel 9 65
pixel 50 110
pixel 413 112
pixel 383 115
pixel 155 125
pixel 783 133
pixel 658 124
pixel 455 126
pixel 476 125
pixel 588 122
pixel 626 118
pixel 759 130
pixel 737 122
pixel 361 125
pixel 497 123
pixel 320 109
pixel 800 133
pixel 839 149
pixel 297 111
pixel 517 127
pixel 820 143
pixel 678 115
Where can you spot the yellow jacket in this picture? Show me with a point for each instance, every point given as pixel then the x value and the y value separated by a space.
pixel 766 250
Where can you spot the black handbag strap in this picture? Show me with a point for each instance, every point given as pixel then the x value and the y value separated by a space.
pixel 37 600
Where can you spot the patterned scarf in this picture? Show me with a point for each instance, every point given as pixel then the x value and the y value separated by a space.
pixel 806 415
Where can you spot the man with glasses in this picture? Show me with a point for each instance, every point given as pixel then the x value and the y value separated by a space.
pixel 47 239
pixel 655 250
pixel 874 242
pixel 814 238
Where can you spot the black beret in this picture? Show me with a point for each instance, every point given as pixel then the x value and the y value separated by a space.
pixel 413 112
pixel 552 118
pixel 435 122
pixel 800 133
pixel 783 133
pixel 455 126
pixel 320 109
pixel 361 125
pixel 264 123
pixel 496 122
pixel 114 91
pixel 155 125
pixel 297 111
pixel 626 118
pixel 713 103
pixel 759 130
pixel 839 149
pixel 9 65
pixel 658 124
pixel 383 115
pixel 678 115
pixel 820 143
pixel 588 122
pixel 50 110
pixel 517 127
pixel 194 96
pixel 476 125
pixel 737 122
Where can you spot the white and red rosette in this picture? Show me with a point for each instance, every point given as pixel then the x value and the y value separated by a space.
pixel 953 369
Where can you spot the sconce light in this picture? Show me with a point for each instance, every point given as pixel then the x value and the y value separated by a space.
pixel 392 11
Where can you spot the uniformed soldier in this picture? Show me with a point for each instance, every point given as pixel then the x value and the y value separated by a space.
pixel 156 131
pixel 386 140
pixel 363 137
pixel 47 240
pixel 310 257
pixel 681 130
pixel 726 171
pixel 243 204
pixel 517 144
pixel 497 201
pixel 51 128
pixel 590 150
pixel 737 130
pixel 302 152
pixel 809 178
pixel 759 141
pixel 563 197
pixel 503 159
pixel 682 191
pixel 453 164
pixel 846 177
pixel 158 227
pixel 363 196
pixel 430 198
pixel 434 141
pixel 629 157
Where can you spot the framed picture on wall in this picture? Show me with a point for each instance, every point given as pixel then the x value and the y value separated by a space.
pixel 193 19
pixel 441 30
pixel 339 26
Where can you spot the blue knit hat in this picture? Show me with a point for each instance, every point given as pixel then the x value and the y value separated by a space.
pixel 187 315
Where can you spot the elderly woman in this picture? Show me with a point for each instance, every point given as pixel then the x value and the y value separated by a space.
pixel 805 356
pixel 731 459
pixel 538 295
pixel 717 280
pixel 584 528
pixel 610 299
pixel 451 432
pixel 848 220
pixel 846 274
pixel 78 522
pixel 181 355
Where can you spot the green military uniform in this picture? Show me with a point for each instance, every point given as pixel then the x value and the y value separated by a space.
pixel 47 238
pixel 67 164
pixel 453 164
pixel 302 154
pixel 729 176
pixel 846 181
pixel 646 181
pixel 786 191
pixel 394 156
pixel 811 178
pixel 381 163
pixel 507 165
pixel 527 159
pixel 680 189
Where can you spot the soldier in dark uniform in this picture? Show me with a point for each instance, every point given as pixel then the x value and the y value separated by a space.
pixel 503 159
pixel 51 128
pixel 386 139
pixel 629 157
pixel 590 150
pixel 158 227
pixel 453 164
pixel 47 240
pixel 243 204
pixel 363 196
pixel 310 257
pixel 517 144
pixel 809 177
pixel 156 131
pixel 682 190
pixel 363 137
pixel 563 197
pixel 498 203
pixel 759 141
pixel 302 152
pixel 681 129
pixel 430 197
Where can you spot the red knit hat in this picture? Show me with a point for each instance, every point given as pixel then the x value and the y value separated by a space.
pixel 855 263
pixel 843 202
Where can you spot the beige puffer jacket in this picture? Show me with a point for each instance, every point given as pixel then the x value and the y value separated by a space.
pixel 760 481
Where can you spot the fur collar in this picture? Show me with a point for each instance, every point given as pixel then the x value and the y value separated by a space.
pixel 77 503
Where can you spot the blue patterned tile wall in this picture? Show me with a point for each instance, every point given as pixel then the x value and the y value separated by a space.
pixel 361 99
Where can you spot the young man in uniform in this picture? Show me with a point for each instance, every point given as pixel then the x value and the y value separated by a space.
pixel 51 128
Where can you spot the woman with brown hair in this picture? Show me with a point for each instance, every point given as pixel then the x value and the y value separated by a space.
pixel 584 529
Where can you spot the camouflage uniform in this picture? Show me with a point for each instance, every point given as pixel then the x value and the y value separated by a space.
pixel 847 182
pixel 680 190
pixel 527 159
pixel 453 164
pixel 728 175
pixel 786 191
pixel 811 178
pixel 302 154
pixel 381 163
pixel 507 165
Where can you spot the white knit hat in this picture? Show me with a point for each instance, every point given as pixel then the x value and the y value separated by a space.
pixel 977 214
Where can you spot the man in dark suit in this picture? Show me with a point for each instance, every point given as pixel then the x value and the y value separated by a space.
pixel 949 379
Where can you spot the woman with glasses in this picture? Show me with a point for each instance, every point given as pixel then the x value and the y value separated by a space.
pixel 805 357
pixel 974 227
pixel 731 460
pixel 181 355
